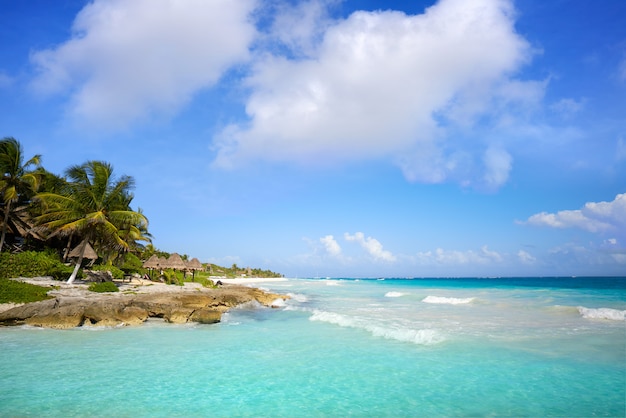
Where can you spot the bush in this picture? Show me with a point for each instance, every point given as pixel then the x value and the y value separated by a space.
pixel 172 278
pixel 103 287
pixel 19 292
pixel 62 272
pixel 27 264
pixel 132 264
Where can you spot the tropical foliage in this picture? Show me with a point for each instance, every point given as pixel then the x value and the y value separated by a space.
pixel 88 208
pixel 18 182
pixel 94 207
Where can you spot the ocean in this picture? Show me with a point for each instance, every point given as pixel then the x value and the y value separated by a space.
pixel 496 347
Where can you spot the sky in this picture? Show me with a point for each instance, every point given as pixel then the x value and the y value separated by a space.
pixel 330 138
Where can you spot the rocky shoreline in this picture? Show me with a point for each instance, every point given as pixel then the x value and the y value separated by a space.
pixel 74 306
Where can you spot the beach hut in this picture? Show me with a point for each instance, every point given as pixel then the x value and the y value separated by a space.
pixel 194 265
pixel 89 254
pixel 175 262
pixel 152 263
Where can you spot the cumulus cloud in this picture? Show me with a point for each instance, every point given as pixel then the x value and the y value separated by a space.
pixel 454 257
pixel 379 84
pixel 132 59
pixel 593 217
pixel 372 246
pixel 299 27
pixel 331 246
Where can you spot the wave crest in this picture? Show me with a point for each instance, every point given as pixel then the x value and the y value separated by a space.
pixel 420 336
pixel 393 294
pixel 447 301
pixel 602 313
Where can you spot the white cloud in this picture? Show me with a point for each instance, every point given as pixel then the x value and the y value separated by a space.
pixel 498 165
pixel 331 245
pixel 525 257
pixel 378 85
pixel 593 217
pixel 454 257
pixel 372 246
pixel 299 27
pixel 132 59
pixel 568 107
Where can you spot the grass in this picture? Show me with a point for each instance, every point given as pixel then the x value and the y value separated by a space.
pixel 12 291
pixel 103 287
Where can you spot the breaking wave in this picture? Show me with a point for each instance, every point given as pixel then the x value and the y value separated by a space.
pixel 394 294
pixel 298 297
pixel 420 336
pixel 447 301
pixel 602 313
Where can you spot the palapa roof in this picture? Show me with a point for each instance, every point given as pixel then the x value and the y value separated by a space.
pixel 194 264
pixel 89 252
pixel 153 262
pixel 174 262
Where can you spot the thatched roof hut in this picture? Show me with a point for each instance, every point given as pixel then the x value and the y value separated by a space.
pixel 174 262
pixel 89 252
pixel 154 262
pixel 194 264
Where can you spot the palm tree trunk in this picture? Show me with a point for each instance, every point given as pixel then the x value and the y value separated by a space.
pixel 7 209
pixel 78 263
pixel 68 247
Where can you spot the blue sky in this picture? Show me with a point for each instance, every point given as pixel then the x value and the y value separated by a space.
pixel 340 138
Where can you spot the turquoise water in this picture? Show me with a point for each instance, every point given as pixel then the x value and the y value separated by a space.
pixel 363 348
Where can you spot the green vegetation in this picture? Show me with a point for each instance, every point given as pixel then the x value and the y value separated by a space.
pixel 94 206
pixel 117 273
pixel 30 264
pixel 103 287
pixel 50 223
pixel 236 271
pixel 19 292
pixel 17 183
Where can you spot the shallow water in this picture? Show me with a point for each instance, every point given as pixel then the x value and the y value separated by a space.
pixel 344 348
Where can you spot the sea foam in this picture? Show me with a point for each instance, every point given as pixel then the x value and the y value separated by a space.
pixel 447 301
pixel 393 294
pixel 602 313
pixel 420 336
pixel 298 297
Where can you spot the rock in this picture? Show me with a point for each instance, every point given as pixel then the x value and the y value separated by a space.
pixel 206 316
pixel 74 307
pixel 178 315
pixel 99 276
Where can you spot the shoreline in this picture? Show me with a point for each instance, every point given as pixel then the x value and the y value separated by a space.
pixel 73 305
pixel 251 280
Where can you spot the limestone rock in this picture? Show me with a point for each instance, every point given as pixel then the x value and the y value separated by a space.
pixel 74 309
pixel 206 316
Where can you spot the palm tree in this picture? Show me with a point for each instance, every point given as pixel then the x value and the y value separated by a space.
pixel 94 206
pixel 17 181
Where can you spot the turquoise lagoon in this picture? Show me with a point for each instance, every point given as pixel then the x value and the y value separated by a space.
pixel 523 347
